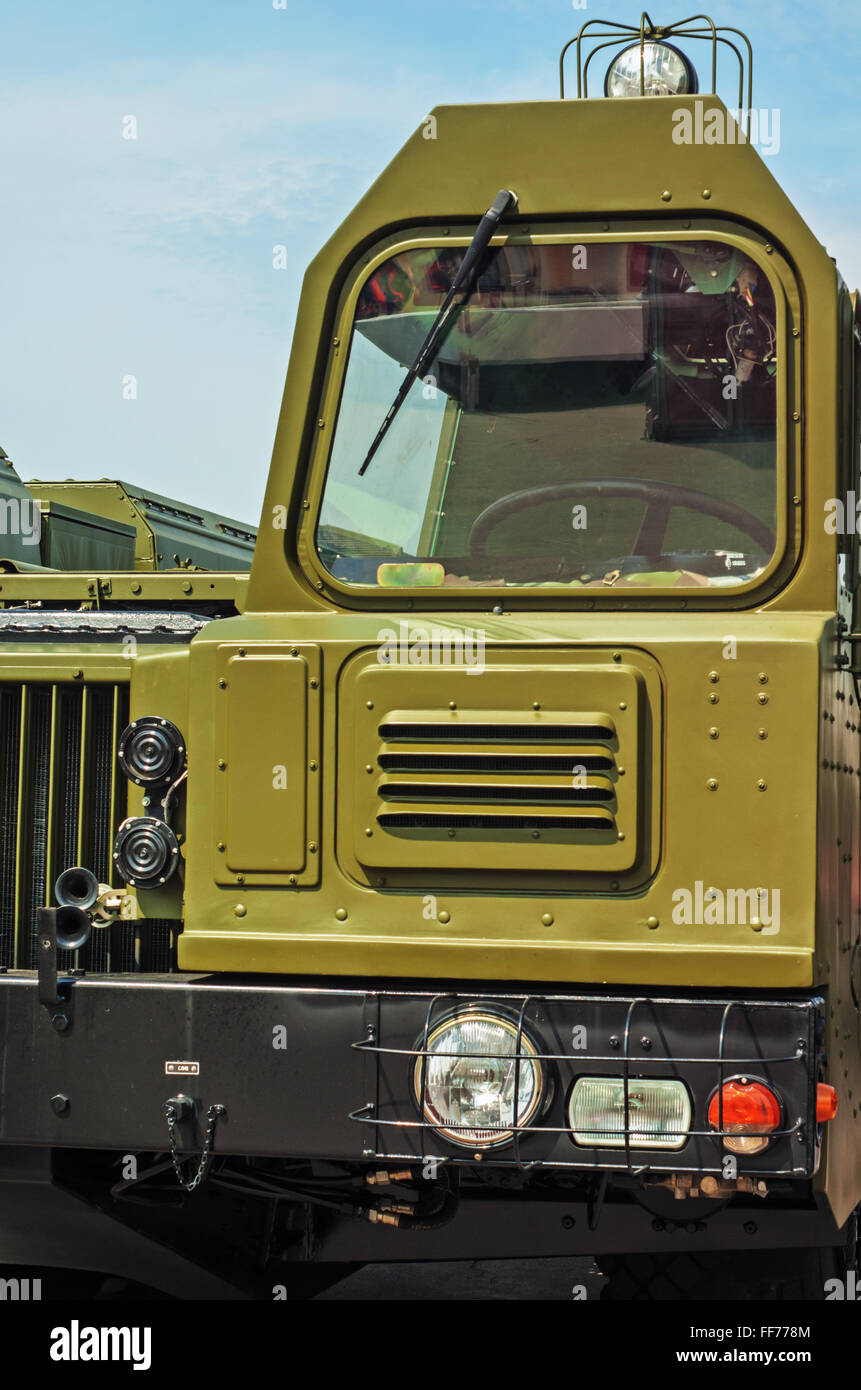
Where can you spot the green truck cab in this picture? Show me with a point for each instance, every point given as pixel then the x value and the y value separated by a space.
pixel 481 877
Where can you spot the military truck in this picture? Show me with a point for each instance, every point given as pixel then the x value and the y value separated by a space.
pixel 481 876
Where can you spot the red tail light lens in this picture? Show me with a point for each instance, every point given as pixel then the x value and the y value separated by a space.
pixel 751 1114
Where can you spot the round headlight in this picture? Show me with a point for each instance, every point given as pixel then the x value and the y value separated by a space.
pixel 146 852
pixel 469 1079
pixel 666 73
pixel 151 750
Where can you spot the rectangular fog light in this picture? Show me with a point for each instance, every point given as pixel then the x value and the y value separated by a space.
pixel 659 1113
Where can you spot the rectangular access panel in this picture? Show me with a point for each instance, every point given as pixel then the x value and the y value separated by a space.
pixel 262 753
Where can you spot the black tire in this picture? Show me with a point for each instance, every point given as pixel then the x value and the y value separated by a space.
pixel 758 1275
pixel 301 1282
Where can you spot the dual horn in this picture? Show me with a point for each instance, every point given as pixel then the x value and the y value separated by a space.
pixel 64 928
pixel 77 891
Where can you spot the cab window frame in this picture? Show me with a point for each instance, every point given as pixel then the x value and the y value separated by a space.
pixel 787 451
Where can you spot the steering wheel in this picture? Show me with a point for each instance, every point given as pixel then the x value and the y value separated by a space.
pixel 660 499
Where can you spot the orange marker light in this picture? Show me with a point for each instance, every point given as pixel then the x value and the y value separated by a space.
pixel 826 1102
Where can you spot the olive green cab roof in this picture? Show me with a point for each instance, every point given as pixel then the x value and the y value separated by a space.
pixel 596 165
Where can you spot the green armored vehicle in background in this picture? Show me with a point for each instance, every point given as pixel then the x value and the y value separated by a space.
pixel 111 526
pixel 480 876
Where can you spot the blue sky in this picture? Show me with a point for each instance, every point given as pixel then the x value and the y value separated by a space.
pixel 259 127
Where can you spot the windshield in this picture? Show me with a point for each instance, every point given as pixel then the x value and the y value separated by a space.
pixel 595 415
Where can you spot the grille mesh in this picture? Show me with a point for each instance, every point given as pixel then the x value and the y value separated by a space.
pixel 481 775
pixel 62 797
pixel 10 744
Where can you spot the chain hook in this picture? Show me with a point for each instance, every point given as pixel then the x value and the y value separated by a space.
pixel 177 1109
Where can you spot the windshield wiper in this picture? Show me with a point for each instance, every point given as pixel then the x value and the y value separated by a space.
pixel 463 282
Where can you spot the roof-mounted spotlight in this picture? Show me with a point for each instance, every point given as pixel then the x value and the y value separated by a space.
pixel 647 62
pixel 661 71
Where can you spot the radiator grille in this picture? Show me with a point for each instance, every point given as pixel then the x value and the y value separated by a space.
pixel 62 797
pixel 483 732
pixel 481 776
pixel 535 773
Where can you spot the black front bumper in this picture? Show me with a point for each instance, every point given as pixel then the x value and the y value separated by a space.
pixel 325 1070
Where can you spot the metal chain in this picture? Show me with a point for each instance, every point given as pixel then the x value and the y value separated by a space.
pixel 212 1116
